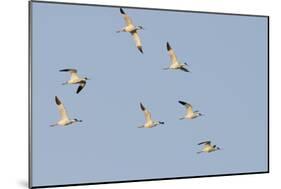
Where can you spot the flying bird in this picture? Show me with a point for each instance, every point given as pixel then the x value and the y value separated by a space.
pixel 190 114
pixel 149 123
pixel 75 79
pixel 132 29
pixel 208 147
pixel 64 119
pixel 175 63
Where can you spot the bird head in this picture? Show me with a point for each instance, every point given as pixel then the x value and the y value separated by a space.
pixel 77 120
pixel 140 28
pixel 86 78
pixel 216 147
pixel 198 113
pixel 158 123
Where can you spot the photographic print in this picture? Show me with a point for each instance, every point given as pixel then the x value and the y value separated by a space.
pixel 121 94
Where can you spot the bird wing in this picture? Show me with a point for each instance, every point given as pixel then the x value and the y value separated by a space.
pixel 205 143
pixel 127 19
pixel 184 69
pixel 73 73
pixel 147 114
pixel 62 110
pixel 172 54
pixel 137 39
pixel 187 106
pixel 81 86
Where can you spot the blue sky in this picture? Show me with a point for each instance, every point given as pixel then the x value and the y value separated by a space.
pixel 228 60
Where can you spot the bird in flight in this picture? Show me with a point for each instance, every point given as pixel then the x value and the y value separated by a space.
pixel 132 29
pixel 64 119
pixel 208 147
pixel 149 123
pixel 75 79
pixel 175 63
pixel 190 114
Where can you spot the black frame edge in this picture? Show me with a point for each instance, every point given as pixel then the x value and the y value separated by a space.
pixel 145 8
pixel 29 94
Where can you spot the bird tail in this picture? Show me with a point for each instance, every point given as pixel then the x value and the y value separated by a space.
pixel 199 152
pixel 65 83
pixel 166 68
pixel 142 126
pixel 181 118
pixel 53 125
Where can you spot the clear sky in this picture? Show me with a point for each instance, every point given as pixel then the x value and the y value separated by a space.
pixel 228 83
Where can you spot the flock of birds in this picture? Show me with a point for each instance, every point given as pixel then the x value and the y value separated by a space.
pixel 75 79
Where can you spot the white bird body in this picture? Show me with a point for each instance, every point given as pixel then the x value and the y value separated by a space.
pixel 64 119
pixel 208 147
pixel 132 29
pixel 190 114
pixel 149 123
pixel 75 79
pixel 129 28
pixel 175 63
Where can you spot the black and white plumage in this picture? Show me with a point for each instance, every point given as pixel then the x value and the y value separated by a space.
pixel 175 63
pixel 132 29
pixel 190 114
pixel 208 147
pixel 149 122
pixel 75 79
pixel 64 119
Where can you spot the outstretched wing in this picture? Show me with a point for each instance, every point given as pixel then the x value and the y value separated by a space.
pixel 61 108
pixel 184 69
pixel 81 86
pixel 137 40
pixel 187 106
pixel 205 143
pixel 127 19
pixel 73 73
pixel 147 114
pixel 172 54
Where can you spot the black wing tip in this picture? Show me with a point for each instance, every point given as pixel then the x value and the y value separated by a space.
pixel 67 70
pixel 79 89
pixel 58 102
pixel 184 69
pixel 142 106
pixel 140 49
pixel 182 102
pixel 64 70
pixel 168 46
pixel 205 142
pixel 122 11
